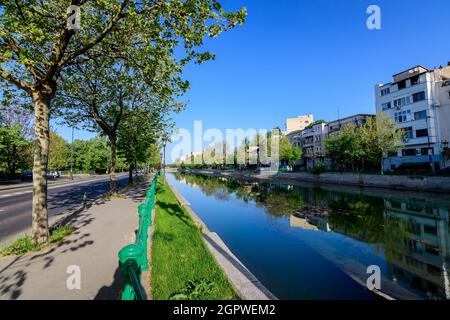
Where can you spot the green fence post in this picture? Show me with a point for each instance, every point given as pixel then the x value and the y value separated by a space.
pixel 130 260
pixel 150 194
pixel 144 221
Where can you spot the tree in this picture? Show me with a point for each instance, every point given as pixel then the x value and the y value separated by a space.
pixel 15 130
pixel 136 136
pixel 11 142
pixel 59 152
pixel 102 94
pixel 345 147
pixel 380 137
pixel 92 155
pixel 288 153
pixel 38 45
pixel 99 155
pixel 154 155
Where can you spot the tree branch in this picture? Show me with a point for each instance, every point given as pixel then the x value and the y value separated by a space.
pixel 17 82
pixel 119 15
pixel 14 46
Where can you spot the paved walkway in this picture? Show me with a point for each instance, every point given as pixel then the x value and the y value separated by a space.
pixel 102 230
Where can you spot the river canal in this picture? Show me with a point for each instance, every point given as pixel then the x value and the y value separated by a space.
pixel 308 242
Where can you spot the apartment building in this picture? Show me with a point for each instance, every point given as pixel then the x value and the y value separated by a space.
pixel 299 123
pixel 418 100
pixel 312 139
pixel 313 144
pixel 357 120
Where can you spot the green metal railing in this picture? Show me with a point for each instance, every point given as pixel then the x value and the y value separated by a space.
pixel 133 258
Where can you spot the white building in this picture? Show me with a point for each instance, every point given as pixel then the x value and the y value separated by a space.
pixel 418 100
pixel 313 144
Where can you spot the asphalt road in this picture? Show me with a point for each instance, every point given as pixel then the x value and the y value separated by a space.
pixel 15 204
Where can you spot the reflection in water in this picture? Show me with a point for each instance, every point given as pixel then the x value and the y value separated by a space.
pixel 410 236
pixel 417 245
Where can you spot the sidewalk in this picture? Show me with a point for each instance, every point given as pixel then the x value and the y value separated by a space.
pixel 102 230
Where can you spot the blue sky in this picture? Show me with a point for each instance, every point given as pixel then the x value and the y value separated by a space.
pixel 295 57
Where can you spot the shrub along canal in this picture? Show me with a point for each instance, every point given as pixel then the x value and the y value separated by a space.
pixel 306 242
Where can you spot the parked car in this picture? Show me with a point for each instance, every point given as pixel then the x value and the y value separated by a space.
pixel 26 175
pixel 285 168
pixel 53 174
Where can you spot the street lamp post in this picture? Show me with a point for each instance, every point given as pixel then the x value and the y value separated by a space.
pixel 164 139
pixel 164 161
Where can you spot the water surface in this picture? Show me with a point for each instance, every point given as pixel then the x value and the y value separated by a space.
pixel 305 242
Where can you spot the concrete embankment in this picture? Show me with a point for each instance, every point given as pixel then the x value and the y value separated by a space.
pixel 411 183
pixel 247 286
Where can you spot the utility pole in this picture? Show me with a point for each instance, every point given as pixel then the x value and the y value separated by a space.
pixel 71 154
pixel 429 144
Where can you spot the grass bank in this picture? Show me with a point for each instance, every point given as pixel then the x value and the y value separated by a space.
pixel 25 244
pixel 182 266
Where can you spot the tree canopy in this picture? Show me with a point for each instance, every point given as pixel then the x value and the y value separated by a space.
pixel 40 51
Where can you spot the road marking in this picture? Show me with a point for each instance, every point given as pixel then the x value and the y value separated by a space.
pixel 56 187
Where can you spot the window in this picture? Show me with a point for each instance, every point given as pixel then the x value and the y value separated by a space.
pixel 414 228
pixel 430 229
pixel 421 133
pixel 386 106
pixel 415 80
pixel 402 116
pixel 427 151
pixel 398 103
pixel 396 205
pixel 409 152
pixel 419 96
pixel 414 206
pixel 420 115
pixel 401 85
pixel 408 132
pixel 385 91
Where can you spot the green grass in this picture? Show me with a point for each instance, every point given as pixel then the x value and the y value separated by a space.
pixel 25 244
pixel 59 234
pixel 182 266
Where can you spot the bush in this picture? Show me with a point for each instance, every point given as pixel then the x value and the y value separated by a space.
pixel 319 169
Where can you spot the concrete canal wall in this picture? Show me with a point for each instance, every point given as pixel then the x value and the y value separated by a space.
pixel 247 286
pixel 412 183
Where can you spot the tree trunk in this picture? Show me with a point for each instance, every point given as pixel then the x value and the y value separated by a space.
pixel 112 173
pixel 130 176
pixel 382 162
pixel 39 226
